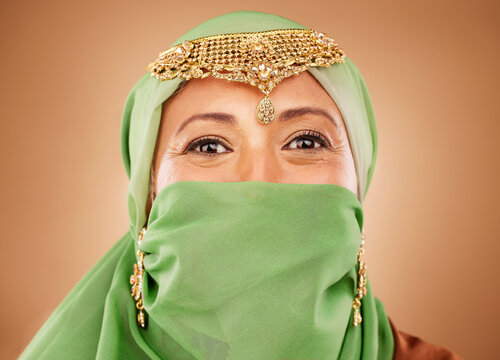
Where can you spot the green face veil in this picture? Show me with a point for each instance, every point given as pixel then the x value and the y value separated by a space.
pixel 237 270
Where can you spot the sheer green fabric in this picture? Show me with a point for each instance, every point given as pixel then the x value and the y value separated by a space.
pixel 233 270
pixel 259 270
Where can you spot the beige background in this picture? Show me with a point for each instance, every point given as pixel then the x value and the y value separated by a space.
pixel 431 212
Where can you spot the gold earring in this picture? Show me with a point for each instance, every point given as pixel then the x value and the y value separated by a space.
pixel 136 280
pixel 361 290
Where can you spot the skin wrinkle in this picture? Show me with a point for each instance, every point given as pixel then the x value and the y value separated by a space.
pixel 252 151
pixel 284 116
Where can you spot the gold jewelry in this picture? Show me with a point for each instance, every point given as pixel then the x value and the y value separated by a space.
pixel 261 59
pixel 361 290
pixel 136 280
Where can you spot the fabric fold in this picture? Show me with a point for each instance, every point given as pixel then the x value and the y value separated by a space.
pixel 201 306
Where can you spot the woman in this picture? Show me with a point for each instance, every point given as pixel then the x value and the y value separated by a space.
pixel 245 201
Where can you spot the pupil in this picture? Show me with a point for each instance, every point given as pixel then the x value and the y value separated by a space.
pixel 210 146
pixel 308 143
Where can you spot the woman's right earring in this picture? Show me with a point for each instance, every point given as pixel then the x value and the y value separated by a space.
pixel 136 280
pixel 361 290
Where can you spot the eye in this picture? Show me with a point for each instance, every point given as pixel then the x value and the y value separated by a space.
pixel 208 146
pixel 307 140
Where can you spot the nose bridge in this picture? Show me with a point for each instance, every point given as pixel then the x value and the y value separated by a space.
pixel 258 161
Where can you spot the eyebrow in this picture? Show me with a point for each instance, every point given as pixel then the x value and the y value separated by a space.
pixel 284 116
pixel 306 110
pixel 215 116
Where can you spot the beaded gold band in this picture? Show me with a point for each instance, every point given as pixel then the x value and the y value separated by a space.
pixel 136 280
pixel 261 59
pixel 361 290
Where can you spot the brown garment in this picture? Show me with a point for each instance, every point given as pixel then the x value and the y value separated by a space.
pixel 409 347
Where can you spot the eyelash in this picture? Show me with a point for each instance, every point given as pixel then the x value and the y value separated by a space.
pixel 203 141
pixel 308 134
pixel 311 135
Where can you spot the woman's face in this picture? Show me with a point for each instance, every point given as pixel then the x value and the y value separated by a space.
pixel 209 132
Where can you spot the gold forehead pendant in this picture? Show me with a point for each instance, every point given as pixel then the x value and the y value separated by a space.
pixel 260 59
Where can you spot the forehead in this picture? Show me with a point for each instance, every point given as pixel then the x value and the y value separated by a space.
pixel 211 94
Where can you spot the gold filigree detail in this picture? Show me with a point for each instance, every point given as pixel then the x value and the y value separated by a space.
pixel 136 280
pixel 361 289
pixel 265 111
pixel 262 59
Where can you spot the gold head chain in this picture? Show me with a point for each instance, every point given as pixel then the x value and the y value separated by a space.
pixel 261 59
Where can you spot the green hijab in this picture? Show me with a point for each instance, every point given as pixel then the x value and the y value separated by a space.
pixel 143 108
pixel 219 289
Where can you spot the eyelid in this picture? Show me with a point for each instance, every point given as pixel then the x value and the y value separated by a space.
pixel 206 139
pixel 312 134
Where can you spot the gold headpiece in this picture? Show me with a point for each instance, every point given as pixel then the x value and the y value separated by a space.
pixel 261 59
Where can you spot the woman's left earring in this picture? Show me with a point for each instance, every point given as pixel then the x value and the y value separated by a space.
pixel 361 289
pixel 136 280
